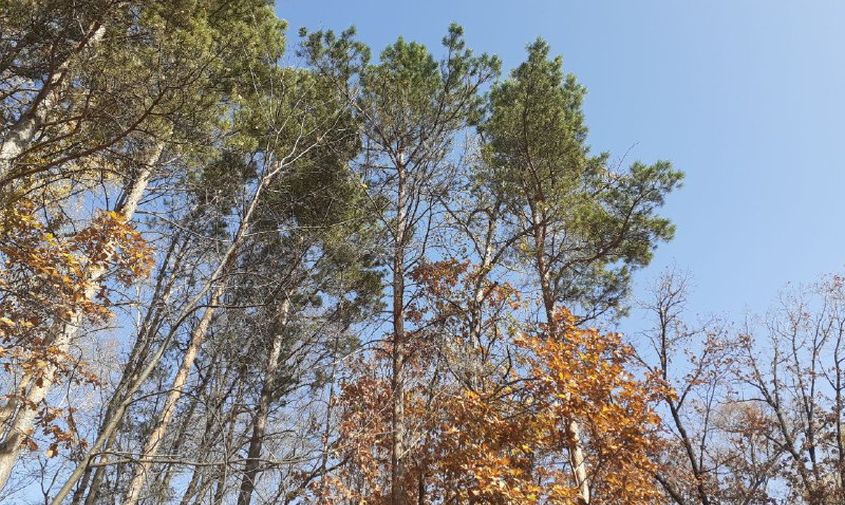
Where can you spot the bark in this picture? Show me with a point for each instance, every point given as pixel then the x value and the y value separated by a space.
pixel 133 369
pixel 134 376
pixel 259 425
pixel 191 489
pixel 187 423
pixel 577 460
pixel 162 423
pixel 22 417
pixel 20 134
pixel 211 433
pixel 397 377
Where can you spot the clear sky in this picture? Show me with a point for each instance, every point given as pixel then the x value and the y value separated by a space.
pixel 746 97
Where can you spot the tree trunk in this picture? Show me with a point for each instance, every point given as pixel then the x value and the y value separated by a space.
pixel 577 459
pixel 22 417
pixel 191 489
pixel 259 424
pixel 187 424
pixel 119 404
pixel 397 494
pixel 162 423
pixel 229 449
pixel 20 134
pixel 197 338
pixel 210 434
pixel 132 371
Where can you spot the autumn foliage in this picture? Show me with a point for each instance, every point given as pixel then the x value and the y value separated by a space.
pixel 501 436
pixel 46 283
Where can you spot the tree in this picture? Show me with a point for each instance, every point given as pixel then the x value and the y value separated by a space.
pixel 582 227
pixel 301 120
pixel 411 106
pixel 708 433
pixel 164 115
pixel 793 384
pixel 41 50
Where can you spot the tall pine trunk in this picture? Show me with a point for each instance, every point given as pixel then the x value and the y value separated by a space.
pixel 131 373
pixel 156 437
pixel 397 447
pixel 577 460
pixel 133 378
pixel 198 335
pixel 259 423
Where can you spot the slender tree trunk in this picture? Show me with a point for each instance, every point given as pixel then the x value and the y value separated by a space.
pixel 223 472
pixel 156 437
pixel 20 135
pixel 108 432
pixel 259 424
pixel 397 447
pixel 220 489
pixel 204 486
pixel 186 425
pixel 839 406
pixel 209 436
pixel 133 369
pixel 577 460
pixel 120 403
pixel 21 422
pixel 475 310
pixel 191 489
pixel 197 338
pixel 97 479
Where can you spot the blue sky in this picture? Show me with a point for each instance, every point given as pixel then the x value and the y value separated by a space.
pixel 746 97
